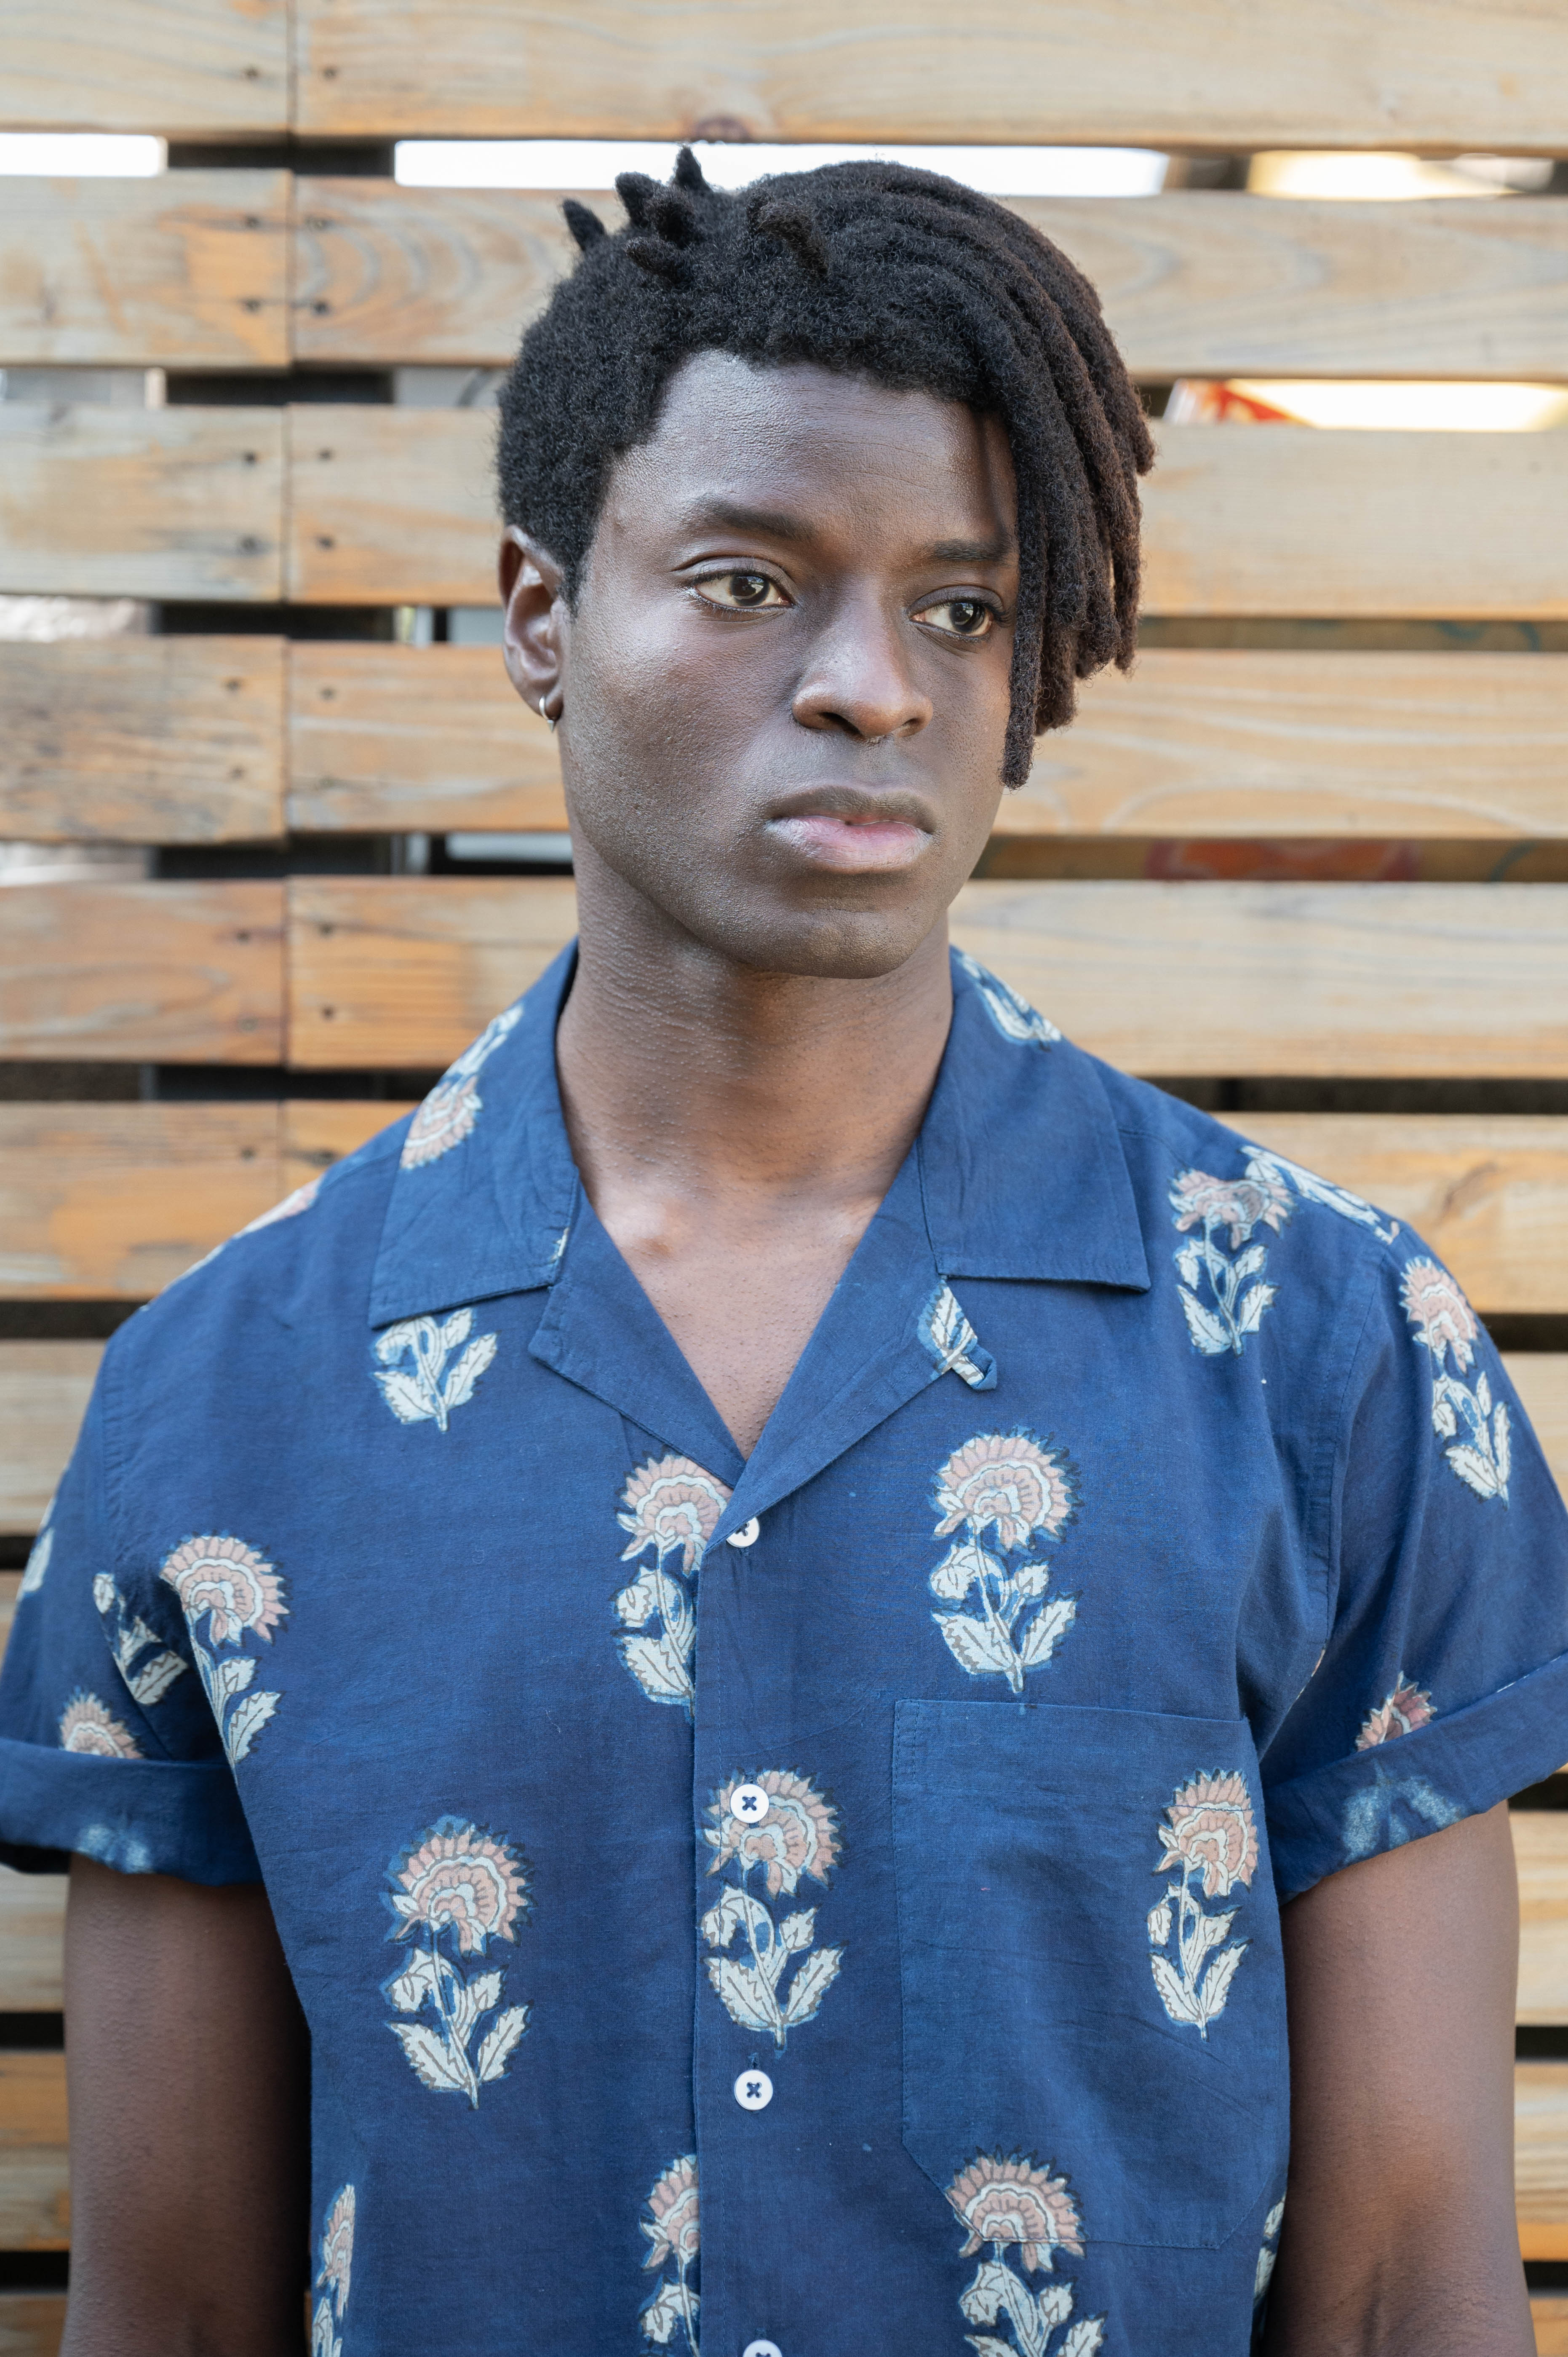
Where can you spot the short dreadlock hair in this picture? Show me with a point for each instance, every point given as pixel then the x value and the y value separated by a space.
pixel 878 271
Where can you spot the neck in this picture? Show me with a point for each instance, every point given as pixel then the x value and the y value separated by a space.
pixel 686 1074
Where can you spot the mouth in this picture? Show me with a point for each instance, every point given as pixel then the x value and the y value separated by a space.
pixel 851 832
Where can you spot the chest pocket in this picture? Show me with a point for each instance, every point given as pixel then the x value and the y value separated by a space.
pixel 1089 1956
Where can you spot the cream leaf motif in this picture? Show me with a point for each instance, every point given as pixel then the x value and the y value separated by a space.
pixel 427 1390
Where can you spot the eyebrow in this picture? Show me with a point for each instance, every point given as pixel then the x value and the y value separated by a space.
pixel 777 523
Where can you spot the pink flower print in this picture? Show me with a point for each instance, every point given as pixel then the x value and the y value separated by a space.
pixel 1007 1480
pixel 672 2228
pixel 290 1208
pixel 86 1725
pixel 231 1582
pixel 671 1504
pixel 1211 1826
pixel 443 1121
pixel 1404 1710
pixel 1442 1316
pixel 797 1836
pixel 460 1880
pixel 1240 1204
pixel 1006 2200
pixel 337 2248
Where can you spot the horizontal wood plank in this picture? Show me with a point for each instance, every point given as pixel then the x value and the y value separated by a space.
pixel 31 2323
pixel 142 739
pixel 186 270
pixel 397 506
pixel 1541 2159
pixel 1377 980
pixel 1549 2313
pixel 431 737
pixel 1489 1194
pixel 44 1389
pixel 1418 72
pixel 34 2200
pixel 1541 1852
pixel 1194 283
pixel 175 973
pixel 1240 743
pixel 187 69
pixel 383 971
pixel 104 502
pixel 318 1131
pixel 178 740
pixel 1298 520
pixel 105 1202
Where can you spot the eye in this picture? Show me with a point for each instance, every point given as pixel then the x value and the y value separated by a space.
pixel 742 592
pixel 960 618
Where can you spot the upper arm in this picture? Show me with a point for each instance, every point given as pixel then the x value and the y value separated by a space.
pixel 187 2066
pixel 1399 2232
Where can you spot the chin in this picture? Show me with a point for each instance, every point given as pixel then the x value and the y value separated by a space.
pixel 830 945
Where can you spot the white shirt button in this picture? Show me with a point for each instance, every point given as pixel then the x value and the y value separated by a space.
pixel 762 2348
pixel 754 2090
pixel 747 1535
pixel 751 1803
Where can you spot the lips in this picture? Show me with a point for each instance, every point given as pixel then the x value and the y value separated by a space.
pixel 853 832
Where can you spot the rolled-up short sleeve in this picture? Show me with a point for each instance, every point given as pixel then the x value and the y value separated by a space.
pixel 1443 1686
pixel 107 1742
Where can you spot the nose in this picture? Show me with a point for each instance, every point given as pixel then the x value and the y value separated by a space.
pixel 858 679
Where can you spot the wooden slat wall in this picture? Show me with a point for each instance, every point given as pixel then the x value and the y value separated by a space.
pixel 247 739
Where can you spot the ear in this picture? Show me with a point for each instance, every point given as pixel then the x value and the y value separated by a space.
pixel 534 622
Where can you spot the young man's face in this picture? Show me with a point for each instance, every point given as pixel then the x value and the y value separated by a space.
pixel 784 688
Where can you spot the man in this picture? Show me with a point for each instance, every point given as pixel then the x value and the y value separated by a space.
pixel 772 1595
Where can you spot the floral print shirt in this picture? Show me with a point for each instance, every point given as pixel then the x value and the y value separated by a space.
pixel 829 1900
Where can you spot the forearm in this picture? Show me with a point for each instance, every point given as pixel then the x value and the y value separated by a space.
pixel 1399 2237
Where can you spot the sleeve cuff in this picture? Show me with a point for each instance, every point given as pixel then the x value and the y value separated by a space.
pixel 140 1816
pixel 1457 1767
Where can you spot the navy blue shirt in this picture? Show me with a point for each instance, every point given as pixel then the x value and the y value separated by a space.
pixel 827 1900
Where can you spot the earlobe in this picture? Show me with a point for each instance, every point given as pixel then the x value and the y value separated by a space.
pixel 532 622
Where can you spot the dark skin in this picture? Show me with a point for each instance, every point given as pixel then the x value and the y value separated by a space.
pixel 782 693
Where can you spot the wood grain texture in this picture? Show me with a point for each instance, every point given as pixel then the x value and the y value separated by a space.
pixel 112 1201
pixel 175 972
pixel 1194 283
pixel 389 274
pixel 1488 1195
pixel 1330 74
pixel 318 1131
pixel 187 270
pixel 1541 2159
pixel 1296 521
pixel 396 506
pixel 388 737
pixel 385 971
pixel 389 507
pixel 102 503
pixel 1541 1852
pixel 34 2200
pixel 142 739
pixel 1549 2312
pixel 1541 1379
pixel 187 69
pixel 32 1936
pixel 31 2323
pixel 1379 980
pixel 1234 742
pixel 44 1389
pixel 1197 283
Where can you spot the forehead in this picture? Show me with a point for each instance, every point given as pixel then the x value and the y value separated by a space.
pixel 822 448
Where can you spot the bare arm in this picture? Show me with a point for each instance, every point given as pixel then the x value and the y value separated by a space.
pixel 187 2064
pixel 1399 2238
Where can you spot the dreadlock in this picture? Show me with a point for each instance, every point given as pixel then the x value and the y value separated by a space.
pixel 878 271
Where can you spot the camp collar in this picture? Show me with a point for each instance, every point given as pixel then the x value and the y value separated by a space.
pixel 1021 1169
